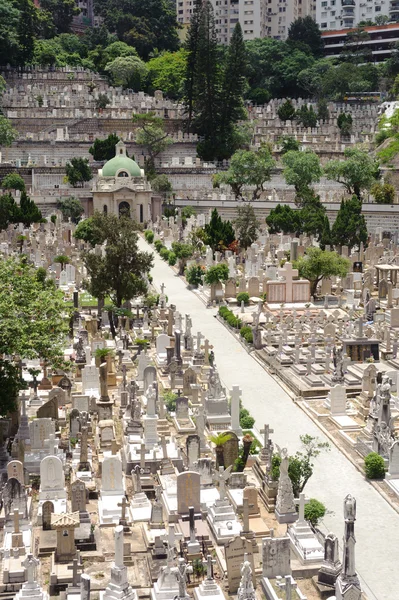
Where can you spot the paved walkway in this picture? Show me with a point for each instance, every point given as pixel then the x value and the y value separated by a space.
pixel 377 526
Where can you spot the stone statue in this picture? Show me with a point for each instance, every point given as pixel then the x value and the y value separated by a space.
pixel 246 590
pixel 350 508
pixel 181 573
pixel 338 375
pixel 80 351
pixel 215 389
pixel 138 472
pixel 189 325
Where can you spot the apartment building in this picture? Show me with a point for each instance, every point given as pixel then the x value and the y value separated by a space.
pixel 258 18
pixel 344 14
pixel 381 41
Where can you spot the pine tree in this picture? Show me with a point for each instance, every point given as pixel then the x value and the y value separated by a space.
pixel 350 227
pixel 207 86
pixel 233 85
pixel 28 211
pixel 191 45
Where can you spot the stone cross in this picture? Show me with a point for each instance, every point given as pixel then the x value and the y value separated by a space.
pixel 206 352
pixel 288 586
pixel 302 500
pixel 246 506
pixel 209 566
pixel 119 546
pixel 30 563
pixel 123 505
pixel 266 433
pixel 142 456
pixel 360 327
pixel 199 338
pixel 75 568
pixel 16 520
pixel 222 476
pixel 171 537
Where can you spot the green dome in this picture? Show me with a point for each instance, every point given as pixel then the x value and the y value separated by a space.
pixel 121 162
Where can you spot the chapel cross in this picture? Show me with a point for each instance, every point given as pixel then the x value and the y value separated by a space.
pixel 75 568
pixel 302 500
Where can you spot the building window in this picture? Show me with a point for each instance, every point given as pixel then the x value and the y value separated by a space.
pixel 105 209
pixel 378 9
pixel 123 174
pixel 323 26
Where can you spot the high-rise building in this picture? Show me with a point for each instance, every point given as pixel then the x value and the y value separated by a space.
pixel 258 18
pixel 344 14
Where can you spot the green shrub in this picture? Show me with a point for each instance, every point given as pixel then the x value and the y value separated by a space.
pixel 374 466
pixel 169 399
pixel 275 472
pixel 314 511
pixel 172 259
pixel 243 297
pixel 194 275
pixel 216 274
pixel 158 245
pixel 247 422
pixel 223 310
pixel 149 236
pixel 230 318
pixel 164 253
pixel 244 330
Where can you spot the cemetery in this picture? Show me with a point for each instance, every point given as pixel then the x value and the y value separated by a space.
pixel 191 410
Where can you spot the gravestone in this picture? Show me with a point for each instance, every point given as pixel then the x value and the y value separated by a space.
pixel 182 408
pixel 188 492
pixel 193 443
pixel 47 510
pixel 78 496
pixel 338 400
pixel 112 477
pixel 230 449
pixel 393 469
pixel 149 377
pixel 81 402
pixel 49 410
pixel 15 498
pixel 15 469
pixel 189 379
pixel 52 478
pixel 251 494
pixel 276 554
pixel 39 431
pixel 234 553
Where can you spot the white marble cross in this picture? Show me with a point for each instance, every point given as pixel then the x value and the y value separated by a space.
pixel 302 500
pixel 209 566
pixel 288 586
pixel 30 563
pixel 266 433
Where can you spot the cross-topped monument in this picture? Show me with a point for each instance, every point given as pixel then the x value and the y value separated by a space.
pixel 265 452
pixel 75 568
pixel 302 501
pixel 288 585
pixel 30 564
pixel 208 563
pixel 124 504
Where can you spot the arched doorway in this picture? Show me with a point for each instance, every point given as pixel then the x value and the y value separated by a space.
pixel 141 214
pixel 105 209
pixel 124 209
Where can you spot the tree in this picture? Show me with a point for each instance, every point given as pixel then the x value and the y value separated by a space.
pixel 349 228
pixel 356 49
pixel 301 169
pixel 218 233
pixel 313 216
pixel 183 252
pixel 63 260
pixel 374 466
pixel 306 31
pixel 117 49
pixel 322 110
pixel 314 511
pixel 247 168
pixel 219 439
pixel 151 134
pixel 7 133
pixel 71 208
pixel 195 275
pixel 103 150
pixel 78 171
pixel 288 143
pixel 28 211
pixel 384 193
pixel 233 88
pixel 191 47
pixel 162 185
pixel 166 72
pixel 216 274
pixel 344 122
pixel 102 101
pixel 206 91
pixel 120 272
pixel 26 29
pixel 32 314
pixel 127 71
pixel 9 211
pixel 318 264
pixel 247 225
pixel 13 181
pixel 9 47
pixel 306 116
pixel 62 12
pixel 286 111
pixel 310 80
pixel 90 231
pixel 284 219
pixel 357 172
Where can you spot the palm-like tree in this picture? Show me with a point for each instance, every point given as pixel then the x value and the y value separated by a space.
pixel 219 439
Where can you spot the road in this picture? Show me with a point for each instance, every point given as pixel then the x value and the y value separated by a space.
pixel 377 525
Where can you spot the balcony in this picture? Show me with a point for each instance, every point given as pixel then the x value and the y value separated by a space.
pixel 348 2
pixel 348 12
pixel 394 7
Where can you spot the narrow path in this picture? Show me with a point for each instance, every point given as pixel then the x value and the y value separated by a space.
pixel 377 526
